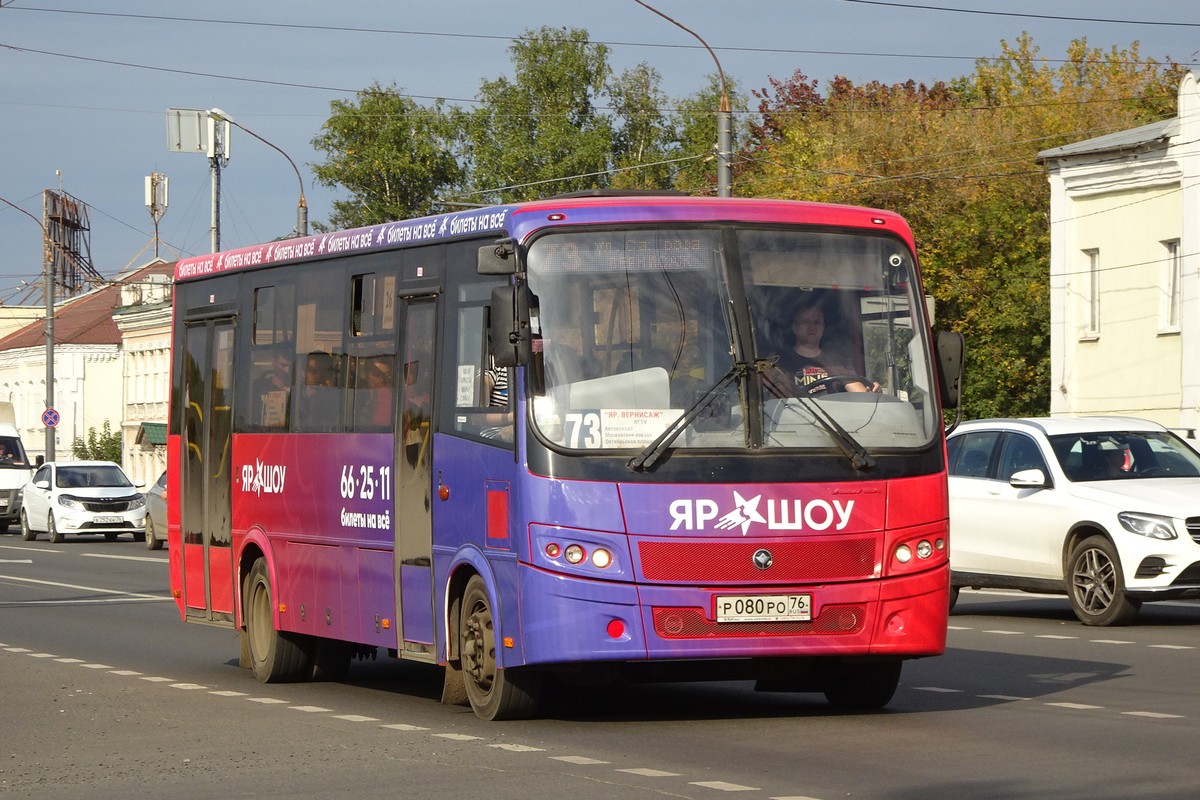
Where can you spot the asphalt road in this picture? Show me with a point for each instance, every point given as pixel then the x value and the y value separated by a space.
pixel 106 694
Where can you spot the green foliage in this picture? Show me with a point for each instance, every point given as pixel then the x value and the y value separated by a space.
pixel 394 156
pixel 102 446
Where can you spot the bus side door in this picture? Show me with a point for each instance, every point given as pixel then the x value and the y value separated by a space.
pixel 205 481
pixel 413 523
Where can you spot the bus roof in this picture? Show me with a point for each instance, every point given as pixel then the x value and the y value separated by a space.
pixel 520 220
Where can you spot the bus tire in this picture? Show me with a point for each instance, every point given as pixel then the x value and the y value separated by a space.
pixel 863 686
pixel 275 656
pixel 494 694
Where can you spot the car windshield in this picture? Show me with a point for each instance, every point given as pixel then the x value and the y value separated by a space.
pixel 91 476
pixel 1124 455
pixel 634 329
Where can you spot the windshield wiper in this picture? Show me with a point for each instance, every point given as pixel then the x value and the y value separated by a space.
pixel 845 441
pixel 653 451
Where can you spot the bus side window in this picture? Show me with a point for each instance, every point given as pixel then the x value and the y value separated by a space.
pixel 483 406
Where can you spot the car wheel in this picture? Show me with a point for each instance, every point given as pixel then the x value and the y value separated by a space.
pixel 27 533
pixel 152 541
pixel 1096 585
pixel 52 532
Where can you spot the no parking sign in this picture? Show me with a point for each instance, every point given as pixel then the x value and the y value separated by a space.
pixel 50 417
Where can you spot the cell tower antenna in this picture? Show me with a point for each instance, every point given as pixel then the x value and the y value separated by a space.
pixel 156 201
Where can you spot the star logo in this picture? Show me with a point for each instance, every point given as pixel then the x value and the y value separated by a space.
pixel 746 512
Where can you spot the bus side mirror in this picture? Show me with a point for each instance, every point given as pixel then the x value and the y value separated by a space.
pixel 950 347
pixel 509 338
pixel 498 258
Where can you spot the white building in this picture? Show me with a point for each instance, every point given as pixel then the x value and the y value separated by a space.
pixel 1124 277
pixel 144 321
pixel 89 370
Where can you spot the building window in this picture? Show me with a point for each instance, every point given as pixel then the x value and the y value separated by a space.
pixel 1092 296
pixel 1172 274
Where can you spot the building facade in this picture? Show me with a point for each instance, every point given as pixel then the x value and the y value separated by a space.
pixel 1125 270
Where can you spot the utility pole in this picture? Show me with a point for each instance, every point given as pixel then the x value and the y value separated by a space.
pixel 724 114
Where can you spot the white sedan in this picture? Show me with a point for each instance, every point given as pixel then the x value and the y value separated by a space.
pixel 93 497
pixel 1103 509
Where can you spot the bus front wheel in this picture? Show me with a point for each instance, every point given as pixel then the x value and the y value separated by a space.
pixel 275 656
pixel 494 693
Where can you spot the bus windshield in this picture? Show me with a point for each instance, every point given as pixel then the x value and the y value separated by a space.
pixel 633 328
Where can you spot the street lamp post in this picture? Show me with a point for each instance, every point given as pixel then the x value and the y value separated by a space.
pixel 724 114
pixel 301 228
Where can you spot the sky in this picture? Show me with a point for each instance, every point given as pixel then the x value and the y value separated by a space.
pixel 85 86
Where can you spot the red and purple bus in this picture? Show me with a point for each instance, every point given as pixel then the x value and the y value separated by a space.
pixel 555 441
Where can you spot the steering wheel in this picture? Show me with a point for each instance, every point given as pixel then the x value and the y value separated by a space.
pixel 828 384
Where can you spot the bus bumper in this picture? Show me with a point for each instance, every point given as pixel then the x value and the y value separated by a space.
pixel 585 620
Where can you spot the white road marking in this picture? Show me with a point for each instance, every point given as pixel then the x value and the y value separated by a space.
pixel 402 727
pixel 1007 633
pixel 1111 641
pixel 457 737
pixel 650 773
pixel 228 693
pixel 42 655
pixel 151 559
pixel 188 686
pixel 1075 706
pixel 722 786
pixel 936 689
pixel 581 760
pixel 1053 636
pixel 157 679
pixel 125 673
pixel 79 588
pixel 512 748
pixel 356 718
pixel 311 709
pixel 96 666
pixel 1173 646
pixel 267 701
pixel 1005 697
pixel 16 560
pixel 1151 715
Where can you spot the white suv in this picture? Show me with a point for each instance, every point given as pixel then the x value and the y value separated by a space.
pixel 1105 509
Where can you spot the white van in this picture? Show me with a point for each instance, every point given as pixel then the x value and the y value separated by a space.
pixel 15 468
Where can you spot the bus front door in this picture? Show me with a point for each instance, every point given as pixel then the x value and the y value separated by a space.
pixel 205 509
pixel 413 523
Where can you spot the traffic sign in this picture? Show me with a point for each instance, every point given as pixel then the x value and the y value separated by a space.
pixel 49 417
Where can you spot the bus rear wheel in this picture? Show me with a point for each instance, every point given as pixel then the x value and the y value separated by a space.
pixel 863 686
pixel 275 656
pixel 494 694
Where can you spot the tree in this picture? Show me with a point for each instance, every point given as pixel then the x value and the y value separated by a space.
pixel 395 157
pixel 645 141
pixel 103 446
pixel 541 132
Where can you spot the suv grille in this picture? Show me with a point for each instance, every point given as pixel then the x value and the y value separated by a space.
pixel 1193 528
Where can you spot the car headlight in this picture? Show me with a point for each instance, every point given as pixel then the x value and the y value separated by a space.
pixel 70 502
pixel 1152 525
pixel 137 502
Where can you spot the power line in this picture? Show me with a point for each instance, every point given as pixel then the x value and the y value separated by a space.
pixel 1055 17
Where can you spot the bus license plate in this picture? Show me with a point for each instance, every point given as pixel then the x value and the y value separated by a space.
pixel 764 608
